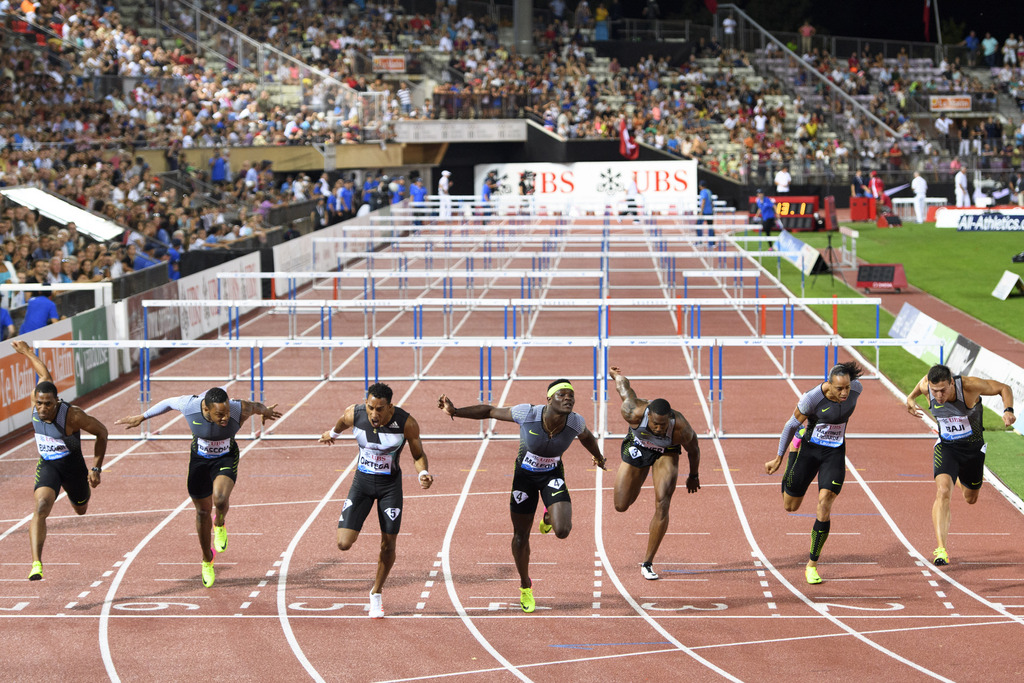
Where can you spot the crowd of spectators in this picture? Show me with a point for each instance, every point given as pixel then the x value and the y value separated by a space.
pixel 81 92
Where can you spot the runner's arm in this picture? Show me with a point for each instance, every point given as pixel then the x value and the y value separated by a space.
pixel 481 411
pixel 38 365
pixel 586 438
pixel 632 407
pixel 78 419
pixel 688 438
pixel 419 458
pixel 990 387
pixel 174 403
pixel 344 422
pixel 250 408
pixel 790 428
pixel 920 390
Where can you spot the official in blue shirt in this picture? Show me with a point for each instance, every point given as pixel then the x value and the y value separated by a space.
pixel 369 185
pixel 418 194
pixel 399 192
pixel 6 324
pixel 707 208
pixel 766 210
pixel 174 259
pixel 39 312
pixel 346 208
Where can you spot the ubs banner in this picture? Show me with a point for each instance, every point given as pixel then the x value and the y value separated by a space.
pixel 659 183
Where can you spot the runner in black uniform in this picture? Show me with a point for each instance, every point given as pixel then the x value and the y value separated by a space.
pixel 213 459
pixel 545 433
pixel 381 430
pixel 826 410
pixel 959 453
pixel 657 434
pixel 58 428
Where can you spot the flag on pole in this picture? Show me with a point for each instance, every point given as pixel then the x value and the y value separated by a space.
pixel 712 6
pixel 627 145
pixel 927 19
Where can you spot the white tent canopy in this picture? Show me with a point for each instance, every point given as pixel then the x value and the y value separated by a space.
pixel 62 211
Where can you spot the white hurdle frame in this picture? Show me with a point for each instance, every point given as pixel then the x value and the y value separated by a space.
pixel 685 327
pixel 103 292
pixel 598 347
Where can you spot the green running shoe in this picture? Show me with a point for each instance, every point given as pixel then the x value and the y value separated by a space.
pixel 208 574
pixel 220 538
pixel 526 599
pixel 545 527
pixel 37 572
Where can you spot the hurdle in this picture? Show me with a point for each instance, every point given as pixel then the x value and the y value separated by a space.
pixel 529 279
pixel 848 252
pixel 596 349
pixel 103 292
pixel 689 325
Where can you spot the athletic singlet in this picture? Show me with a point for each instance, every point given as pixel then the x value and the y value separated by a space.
pixel 826 423
pixel 51 441
pixel 379 447
pixel 957 421
pixel 537 451
pixel 209 440
pixel 644 438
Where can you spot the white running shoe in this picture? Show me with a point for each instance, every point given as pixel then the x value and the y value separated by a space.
pixel 376 606
pixel 647 571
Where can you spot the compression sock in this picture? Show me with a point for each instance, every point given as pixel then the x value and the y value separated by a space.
pixel 819 534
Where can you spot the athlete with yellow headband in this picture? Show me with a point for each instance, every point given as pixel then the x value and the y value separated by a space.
pixel 545 433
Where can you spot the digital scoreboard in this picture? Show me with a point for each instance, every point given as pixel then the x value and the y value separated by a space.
pixel 888 276
pixel 795 212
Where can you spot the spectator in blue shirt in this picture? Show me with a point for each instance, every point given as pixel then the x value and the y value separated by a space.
pixel 418 193
pixel 138 259
pixel 219 170
pixel 369 185
pixel 766 210
pixel 346 208
pixel 40 312
pixel 173 259
pixel 972 44
pixel 707 208
pixel 399 192
pixel 6 324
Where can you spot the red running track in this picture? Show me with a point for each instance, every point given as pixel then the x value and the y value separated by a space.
pixel 122 597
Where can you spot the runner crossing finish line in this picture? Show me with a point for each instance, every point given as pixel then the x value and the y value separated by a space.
pixel 545 433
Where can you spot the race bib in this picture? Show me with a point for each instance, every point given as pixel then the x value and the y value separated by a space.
pixel 374 462
pixel 212 449
pixel 648 445
pixel 954 427
pixel 51 448
pixel 537 463
pixel 828 435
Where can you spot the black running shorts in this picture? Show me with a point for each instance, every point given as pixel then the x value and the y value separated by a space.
pixel 69 472
pixel 529 487
pixel 386 489
pixel 202 471
pixel 966 463
pixel 828 463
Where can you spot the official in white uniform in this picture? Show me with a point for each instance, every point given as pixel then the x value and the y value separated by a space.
pixel 920 187
pixel 960 186
pixel 444 191
pixel 783 180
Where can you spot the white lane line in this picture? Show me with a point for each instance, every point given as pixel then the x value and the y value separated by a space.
pixel 108 601
pixel 756 549
pixel 446 547
pixel 614 577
